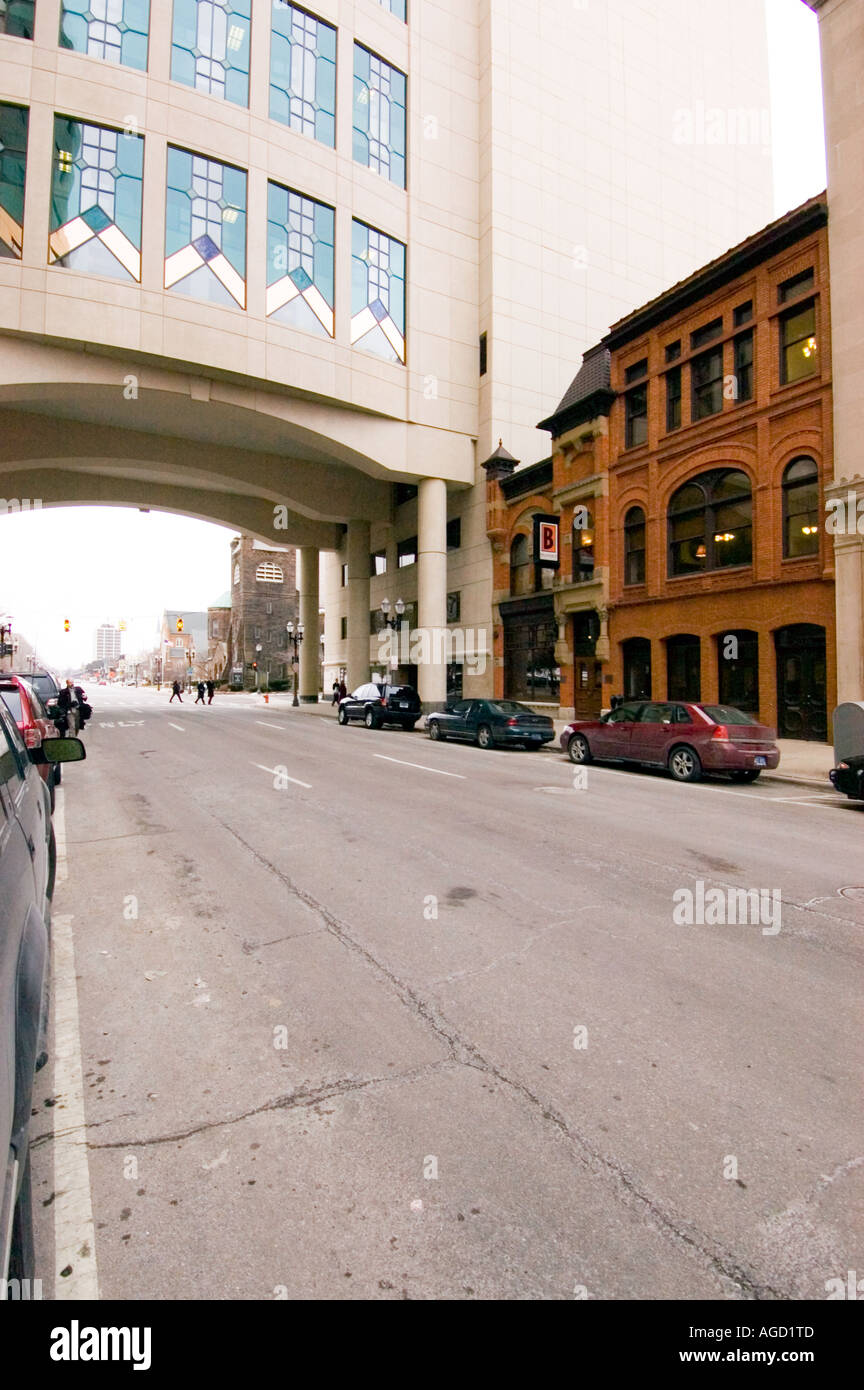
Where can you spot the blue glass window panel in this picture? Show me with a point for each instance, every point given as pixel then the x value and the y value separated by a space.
pixel 300 236
pixel 17 19
pixel 178 220
pixel 199 193
pixel 114 30
pixel 210 47
pixel 302 72
pixel 13 161
pixel 396 7
pixel 379 116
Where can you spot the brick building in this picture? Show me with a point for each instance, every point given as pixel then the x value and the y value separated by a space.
pixel 690 456
pixel 218 637
pixel 263 599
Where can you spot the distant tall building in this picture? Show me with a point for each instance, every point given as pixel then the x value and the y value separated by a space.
pixel 108 643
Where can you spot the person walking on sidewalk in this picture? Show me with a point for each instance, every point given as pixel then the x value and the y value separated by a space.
pixel 176 693
pixel 211 687
pixel 200 695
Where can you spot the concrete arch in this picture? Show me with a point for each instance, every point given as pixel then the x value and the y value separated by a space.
pixel 64 487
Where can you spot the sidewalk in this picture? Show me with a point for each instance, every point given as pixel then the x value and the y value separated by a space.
pixel 800 761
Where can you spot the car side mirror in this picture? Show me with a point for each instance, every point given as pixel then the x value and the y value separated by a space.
pixel 63 750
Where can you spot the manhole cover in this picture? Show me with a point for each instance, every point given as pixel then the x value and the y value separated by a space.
pixel 856 891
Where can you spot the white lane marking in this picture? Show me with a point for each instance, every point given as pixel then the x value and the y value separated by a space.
pixel 74 1230
pixel 177 726
pixel 422 766
pixel 265 723
pixel 280 772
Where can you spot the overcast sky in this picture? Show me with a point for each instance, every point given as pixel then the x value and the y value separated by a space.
pixel 99 564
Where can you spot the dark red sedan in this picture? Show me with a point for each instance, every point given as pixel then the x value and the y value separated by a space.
pixel 685 738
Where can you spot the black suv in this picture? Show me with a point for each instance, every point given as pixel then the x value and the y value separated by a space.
pixel 377 705
pixel 28 859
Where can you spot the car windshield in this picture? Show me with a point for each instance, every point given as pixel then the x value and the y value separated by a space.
pixel 727 714
pixel 508 707
pixel 44 685
pixel 12 701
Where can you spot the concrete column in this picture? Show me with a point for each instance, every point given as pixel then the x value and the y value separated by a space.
pixel 432 590
pixel 358 603
pixel 849 594
pixel 307 584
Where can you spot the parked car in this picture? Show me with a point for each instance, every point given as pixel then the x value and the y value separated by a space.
pixel 45 685
pixel 848 773
pixel 28 860
pixel 34 723
pixel 491 723
pixel 686 737
pixel 377 705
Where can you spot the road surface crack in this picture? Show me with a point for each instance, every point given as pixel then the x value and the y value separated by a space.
pixel 465 1053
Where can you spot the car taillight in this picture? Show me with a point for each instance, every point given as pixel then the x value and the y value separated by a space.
pixel 511 722
pixel 32 738
pixel 383 701
pixel 721 732
pixel 845 766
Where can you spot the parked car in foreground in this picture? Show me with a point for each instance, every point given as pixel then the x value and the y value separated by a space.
pixel 847 774
pixel 684 737
pixel 377 705
pixel 34 723
pixel 28 860
pixel 491 723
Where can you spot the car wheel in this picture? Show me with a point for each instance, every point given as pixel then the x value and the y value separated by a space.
pixel 484 736
pixel 369 719
pixel 747 774
pixel 578 750
pixel 435 731
pixel 342 716
pixel 684 764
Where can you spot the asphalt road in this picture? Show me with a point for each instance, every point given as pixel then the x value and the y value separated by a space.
pixel 424 1022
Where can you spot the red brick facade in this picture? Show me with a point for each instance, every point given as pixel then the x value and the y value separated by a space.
pixel 779 608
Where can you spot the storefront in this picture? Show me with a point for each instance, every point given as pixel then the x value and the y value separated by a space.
pixel 530 630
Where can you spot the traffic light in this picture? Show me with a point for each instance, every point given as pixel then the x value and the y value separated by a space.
pixel 65 624
pixel 254 665
pixel 179 624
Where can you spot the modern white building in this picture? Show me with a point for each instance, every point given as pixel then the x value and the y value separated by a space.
pixel 297 270
pixel 108 644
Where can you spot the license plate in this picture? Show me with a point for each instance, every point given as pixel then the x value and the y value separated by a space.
pixel 760 762
pixel 403 704
pixel 535 735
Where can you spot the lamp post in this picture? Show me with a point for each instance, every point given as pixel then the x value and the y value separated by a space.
pixel 395 623
pixel 399 608
pixel 257 662
pixel 295 637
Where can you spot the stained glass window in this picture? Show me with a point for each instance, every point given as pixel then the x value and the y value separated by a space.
pixel 379 115
pixel 115 30
pixel 96 188
pixel 205 229
pixel 303 72
pixel 299 260
pixel 13 164
pixel 377 293
pixel 16 18
pixel 210 47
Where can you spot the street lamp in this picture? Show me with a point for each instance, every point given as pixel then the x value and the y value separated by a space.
pixel 295 637
pixel 257 650
pixel 385 609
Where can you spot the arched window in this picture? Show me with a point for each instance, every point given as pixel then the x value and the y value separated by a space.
pixel 634 546
pixel 583 545
pixel 800 509
pixel 521 566
pixel 268 573
pixel 711 522
pixel 236 574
